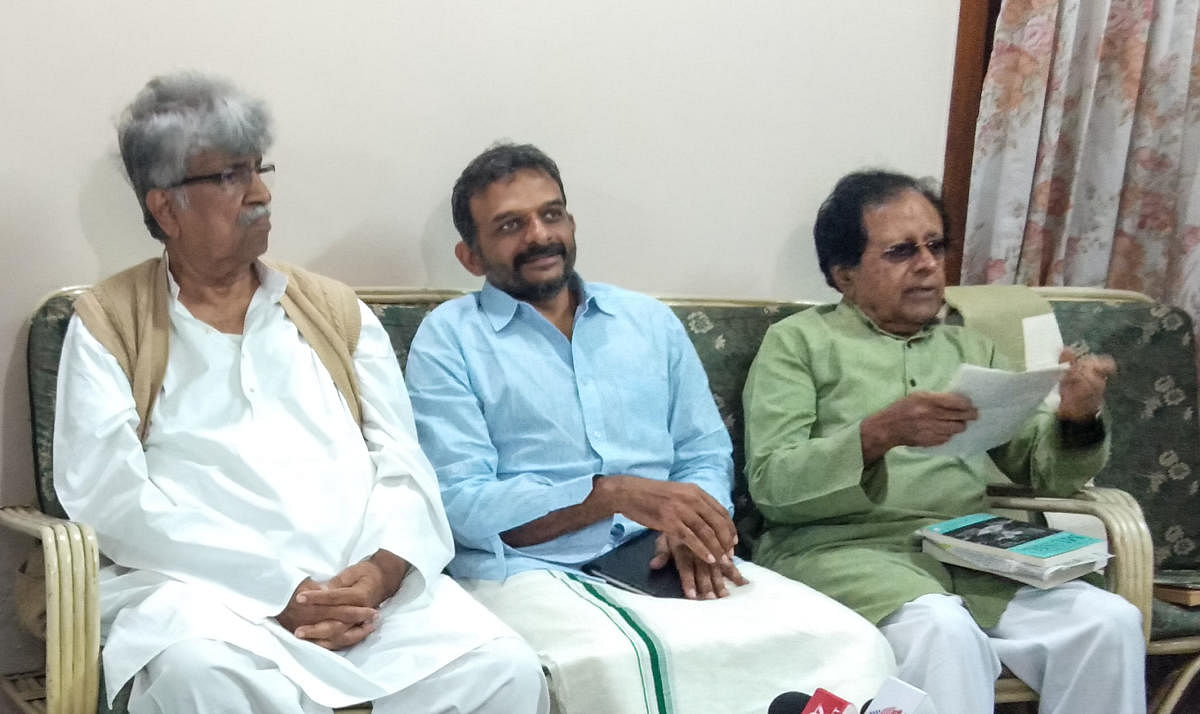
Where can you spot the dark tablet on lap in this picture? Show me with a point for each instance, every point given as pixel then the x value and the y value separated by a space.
pixel 628 567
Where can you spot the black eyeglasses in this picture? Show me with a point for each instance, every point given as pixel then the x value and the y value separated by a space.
pixel 904 252
pixel 232 177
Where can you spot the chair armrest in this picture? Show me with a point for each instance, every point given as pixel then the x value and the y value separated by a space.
pixel 1130 573
pixel 72 561
pixel 1012 490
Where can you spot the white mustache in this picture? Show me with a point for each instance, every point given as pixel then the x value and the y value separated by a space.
pixel 254 213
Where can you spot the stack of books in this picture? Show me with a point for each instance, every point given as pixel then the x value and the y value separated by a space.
pixel 1181 587
pixel 1035 555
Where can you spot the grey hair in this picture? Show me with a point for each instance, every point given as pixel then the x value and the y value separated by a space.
pixel 177 116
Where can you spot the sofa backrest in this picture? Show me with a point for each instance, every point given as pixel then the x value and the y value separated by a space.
pixel 1156 438
pixel 726 334
pixel 1156 428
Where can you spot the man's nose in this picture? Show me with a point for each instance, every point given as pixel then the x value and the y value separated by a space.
pixel 926 259
pixel 538 231
pixel 257 191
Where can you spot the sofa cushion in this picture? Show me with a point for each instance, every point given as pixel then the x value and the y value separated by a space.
pixel 1152 399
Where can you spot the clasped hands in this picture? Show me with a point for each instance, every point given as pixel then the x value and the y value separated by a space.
pixel 932 418
pixel 695 530
pixel 342 611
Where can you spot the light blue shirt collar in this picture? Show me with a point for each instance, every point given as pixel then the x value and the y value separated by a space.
pixel 501 308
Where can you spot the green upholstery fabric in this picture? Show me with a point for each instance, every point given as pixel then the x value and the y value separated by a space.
pixel 46 331
pixel 1156 429
pixel 120 704
pixel 1171 620
pixel 401 323
pixel 1152 399
pixel 726 339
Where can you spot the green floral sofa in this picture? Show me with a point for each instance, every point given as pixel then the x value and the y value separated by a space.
pixel 1156 454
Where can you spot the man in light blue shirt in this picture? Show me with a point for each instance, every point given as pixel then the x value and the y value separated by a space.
pixel 564 417
pixel 534 455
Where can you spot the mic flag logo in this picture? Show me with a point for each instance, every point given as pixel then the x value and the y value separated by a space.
pixel 826 702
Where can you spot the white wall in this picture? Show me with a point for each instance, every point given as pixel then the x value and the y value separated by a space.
pixel 696 138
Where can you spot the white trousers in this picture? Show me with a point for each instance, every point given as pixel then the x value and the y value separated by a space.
pixel 211 677
pixel 1079 647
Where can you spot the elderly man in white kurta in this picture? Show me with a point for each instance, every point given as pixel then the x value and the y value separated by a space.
pixel 239 435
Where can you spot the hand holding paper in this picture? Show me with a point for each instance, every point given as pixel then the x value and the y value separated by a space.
pixel 920 419
pixel 1082 387
pixel 1004 401
pixel 983 408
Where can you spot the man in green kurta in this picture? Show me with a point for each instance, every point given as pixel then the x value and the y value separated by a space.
pixel 839 402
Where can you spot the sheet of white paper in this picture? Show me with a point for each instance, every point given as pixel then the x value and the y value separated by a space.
pixel 1043 341
pixel 1043 346
pixel 1004 401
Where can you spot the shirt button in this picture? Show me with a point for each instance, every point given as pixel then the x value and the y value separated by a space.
pixel 912 382
pixel 617 530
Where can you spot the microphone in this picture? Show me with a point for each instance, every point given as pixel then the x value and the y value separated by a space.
pixel 788 703
pixel 822 701
pixel 894 697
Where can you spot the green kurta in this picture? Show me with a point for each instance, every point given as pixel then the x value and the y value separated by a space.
pixel 847 530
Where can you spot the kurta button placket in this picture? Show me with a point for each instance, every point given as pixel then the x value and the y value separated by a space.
pixel 246 369
pixel 905 360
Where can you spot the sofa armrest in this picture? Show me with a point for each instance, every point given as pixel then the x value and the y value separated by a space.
pixel 1130 573
pixel 72 561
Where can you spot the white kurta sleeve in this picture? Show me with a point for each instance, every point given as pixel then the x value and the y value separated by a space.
pixel 101 478
pixel 405 514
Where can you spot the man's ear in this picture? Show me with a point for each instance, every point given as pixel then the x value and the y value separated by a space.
pixel 469 258
pixel 843 278
pixel 160 205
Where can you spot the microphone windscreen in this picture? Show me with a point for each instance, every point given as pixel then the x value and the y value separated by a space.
pixel 788 703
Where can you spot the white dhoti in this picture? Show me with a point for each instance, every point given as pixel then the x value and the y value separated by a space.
pixel 608 651
pixel 210 677
pixel 413 641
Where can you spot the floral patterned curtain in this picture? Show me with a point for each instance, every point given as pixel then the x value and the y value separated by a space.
pixel 1087 149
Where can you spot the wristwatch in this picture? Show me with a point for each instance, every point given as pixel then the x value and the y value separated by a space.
pixel 1079 434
